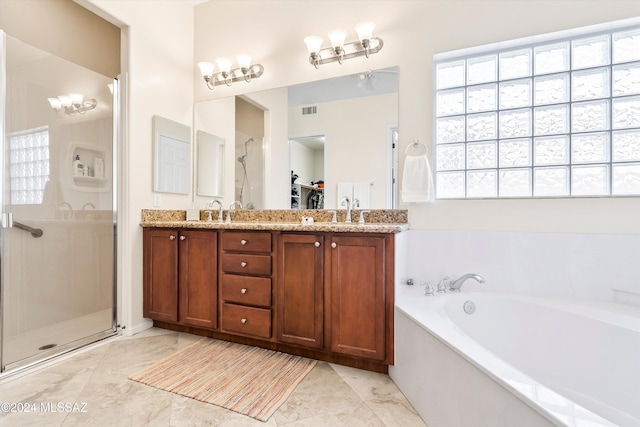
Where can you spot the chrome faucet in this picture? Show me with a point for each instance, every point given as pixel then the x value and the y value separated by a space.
pixel 210 206
pixel 350 205
pixel 232 208
pixel 455 285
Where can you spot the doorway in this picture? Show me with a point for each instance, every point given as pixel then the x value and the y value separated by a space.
pixel 57 260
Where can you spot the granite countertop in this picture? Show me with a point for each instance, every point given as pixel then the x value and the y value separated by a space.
pixel 377 220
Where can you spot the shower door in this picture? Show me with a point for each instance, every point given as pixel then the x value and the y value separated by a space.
pixel 57 256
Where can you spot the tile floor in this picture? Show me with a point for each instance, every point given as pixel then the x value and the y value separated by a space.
pixel 93 390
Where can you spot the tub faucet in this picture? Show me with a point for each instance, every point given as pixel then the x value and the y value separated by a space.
pixel 233 208
pixel 455 285
pixel 210 206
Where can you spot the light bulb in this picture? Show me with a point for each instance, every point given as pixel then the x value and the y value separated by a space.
pixel 206 68
pixel 365 30
pixel 224 65
pixel 65 100
pixel 76 98
pixel 244 61
pixel 313 43
pixel 337 38
pixel 55 103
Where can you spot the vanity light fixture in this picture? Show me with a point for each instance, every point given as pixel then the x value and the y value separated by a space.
pixel 72 104
pixel 226 75
pixel 339 51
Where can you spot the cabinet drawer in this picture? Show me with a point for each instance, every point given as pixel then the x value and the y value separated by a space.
pixel 246 320
pixel 246 289
pixel 246 241
pixel 246 264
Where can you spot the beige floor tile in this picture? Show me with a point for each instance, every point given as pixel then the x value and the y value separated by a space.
pixel 330 395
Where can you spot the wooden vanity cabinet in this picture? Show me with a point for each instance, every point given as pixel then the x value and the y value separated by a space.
pixel 246 291
pixel 335 292
pixel 300 289
pixel 360 272
pixel 180 276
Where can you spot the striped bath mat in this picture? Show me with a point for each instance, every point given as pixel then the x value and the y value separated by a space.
pixel 249 380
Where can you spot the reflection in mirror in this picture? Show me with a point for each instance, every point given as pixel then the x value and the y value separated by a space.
pixel 307 172
pixel 210 164
pixel 171 156
pixel 358 116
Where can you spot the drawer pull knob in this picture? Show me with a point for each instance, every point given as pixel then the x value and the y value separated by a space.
pixel 243 320
pixel 243 290
pixel 243 264
pixel 334 245
pixel 316 244
pixel 172 237
pixel 243 242
pixel 183 237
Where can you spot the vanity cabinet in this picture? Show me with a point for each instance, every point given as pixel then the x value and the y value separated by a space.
pixel 300 289
pixel 361 295
pixel 325 295
pixel 180 276
pixel 337 296
pixel 246 290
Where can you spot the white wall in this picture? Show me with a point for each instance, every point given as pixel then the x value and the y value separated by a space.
pixel 158 57
pixel 412 32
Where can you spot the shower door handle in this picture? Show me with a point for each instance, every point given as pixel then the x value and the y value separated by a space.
pixel 7 220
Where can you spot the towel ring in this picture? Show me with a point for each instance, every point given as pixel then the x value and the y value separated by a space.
pixel 416 144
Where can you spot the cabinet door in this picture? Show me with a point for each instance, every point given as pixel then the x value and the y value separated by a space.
pixel 357 289
pixel 198 278
pixel 161 274
pixel 300 285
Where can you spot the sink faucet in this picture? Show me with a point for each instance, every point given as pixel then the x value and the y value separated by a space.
pixel 232 208
pixel 455 285
pixel 210 206
pixel 350 205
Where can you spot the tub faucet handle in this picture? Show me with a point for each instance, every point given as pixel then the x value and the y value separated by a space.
pixel 442 285
pixel 428 290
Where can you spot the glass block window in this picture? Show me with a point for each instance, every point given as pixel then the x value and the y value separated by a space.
pixel 29 165
pixel 542 118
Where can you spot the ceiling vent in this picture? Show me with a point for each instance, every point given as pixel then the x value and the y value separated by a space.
pixel 309 110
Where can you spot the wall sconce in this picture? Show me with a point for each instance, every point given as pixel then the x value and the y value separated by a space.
pixel 72 104
pixel 340 51
pixel 245 71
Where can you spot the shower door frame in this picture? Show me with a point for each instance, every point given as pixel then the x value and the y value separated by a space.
pixel 46 355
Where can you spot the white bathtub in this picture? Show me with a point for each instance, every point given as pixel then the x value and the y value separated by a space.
pixel 517 361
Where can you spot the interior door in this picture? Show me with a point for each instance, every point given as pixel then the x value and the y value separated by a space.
pixel 57 260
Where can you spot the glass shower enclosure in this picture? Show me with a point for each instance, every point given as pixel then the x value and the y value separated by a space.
pixel 57 253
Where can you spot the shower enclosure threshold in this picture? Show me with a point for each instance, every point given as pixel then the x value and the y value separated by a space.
pixel 56 339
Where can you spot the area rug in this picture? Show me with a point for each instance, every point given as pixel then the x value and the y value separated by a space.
pixel 249 380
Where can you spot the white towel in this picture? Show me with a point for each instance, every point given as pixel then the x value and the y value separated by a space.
pixel 362 192
pixel 417 180
pixel 345 189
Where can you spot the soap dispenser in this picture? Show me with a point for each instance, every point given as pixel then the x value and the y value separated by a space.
pixel 78 167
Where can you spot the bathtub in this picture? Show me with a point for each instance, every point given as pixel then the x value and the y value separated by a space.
pixel 516 360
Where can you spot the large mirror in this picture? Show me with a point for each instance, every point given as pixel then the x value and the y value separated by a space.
pixel 171 156
pixel 339 136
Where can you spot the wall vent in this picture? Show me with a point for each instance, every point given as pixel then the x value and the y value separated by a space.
pixel 309 110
